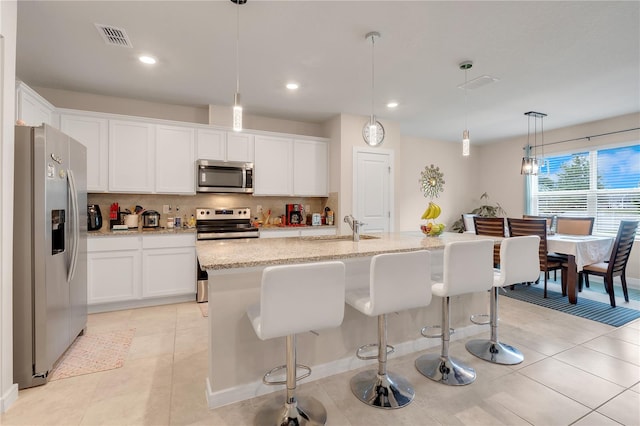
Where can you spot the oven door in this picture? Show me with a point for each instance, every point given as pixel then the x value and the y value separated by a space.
pixel 215 176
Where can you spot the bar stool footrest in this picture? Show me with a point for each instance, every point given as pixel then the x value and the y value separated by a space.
pixel 390 350
pixel 480 319
pixel 266 381
pixel 425 331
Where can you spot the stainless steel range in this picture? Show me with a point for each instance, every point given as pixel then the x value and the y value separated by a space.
pixel 217 223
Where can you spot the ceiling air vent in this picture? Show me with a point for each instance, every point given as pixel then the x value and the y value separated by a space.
pixel 114 36
pixel 477 82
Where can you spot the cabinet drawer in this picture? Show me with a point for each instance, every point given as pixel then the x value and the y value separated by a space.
pixel 168 241
pixel 112 243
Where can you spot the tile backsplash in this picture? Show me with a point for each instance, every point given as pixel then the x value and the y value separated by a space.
pixel 186 205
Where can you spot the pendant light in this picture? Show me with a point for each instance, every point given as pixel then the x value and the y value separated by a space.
pixel 237 107
pixel 466 66
pixel 373 132
pixel 531 164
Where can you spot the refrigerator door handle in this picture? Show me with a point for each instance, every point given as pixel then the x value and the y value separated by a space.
pixel 76 225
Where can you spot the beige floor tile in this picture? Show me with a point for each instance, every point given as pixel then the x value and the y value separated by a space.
pixel 148 325
pixel 150 407
pixel 61 402
pixel 108 321
pixel 193 339
pixel 152 345
pixel 602 365
pixel 572 382
pixel 624 408
pixel 628 334
pixel 595 419
pixel 136 376
pixel 536 403
pixel 617 348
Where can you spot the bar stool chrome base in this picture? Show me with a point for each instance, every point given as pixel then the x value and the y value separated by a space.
pixel 308 412
pixel 446 370
pixel 496 352
pixel 387 391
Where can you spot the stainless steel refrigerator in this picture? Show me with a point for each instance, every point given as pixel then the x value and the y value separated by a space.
pixel 49 250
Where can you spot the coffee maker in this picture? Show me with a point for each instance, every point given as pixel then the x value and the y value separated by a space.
pixel 94 217
pixel 294 214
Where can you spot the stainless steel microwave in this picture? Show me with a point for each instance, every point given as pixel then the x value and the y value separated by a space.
pixel 221 176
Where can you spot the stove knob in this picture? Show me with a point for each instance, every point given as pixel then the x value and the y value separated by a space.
pixel 208 213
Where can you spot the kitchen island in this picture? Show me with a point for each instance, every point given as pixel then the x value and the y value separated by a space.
pixel 238 359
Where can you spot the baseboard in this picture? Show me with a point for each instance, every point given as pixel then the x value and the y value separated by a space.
pixel 139 303
pixel 250 390
pixel 9 397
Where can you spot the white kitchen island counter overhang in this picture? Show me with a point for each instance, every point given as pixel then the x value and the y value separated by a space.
pixel 238 358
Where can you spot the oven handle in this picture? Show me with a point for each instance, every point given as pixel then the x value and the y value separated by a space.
pixel 227 235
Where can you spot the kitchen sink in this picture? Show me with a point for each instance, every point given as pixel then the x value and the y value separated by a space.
pixel 338 238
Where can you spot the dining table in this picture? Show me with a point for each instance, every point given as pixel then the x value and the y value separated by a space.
pixel 581 250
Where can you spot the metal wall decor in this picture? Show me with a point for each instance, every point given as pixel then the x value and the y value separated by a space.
pixel 431 181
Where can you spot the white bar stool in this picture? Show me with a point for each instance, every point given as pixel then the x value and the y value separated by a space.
pixel 296 299
pixel 468 268
pixel 398 281
pixel 519 262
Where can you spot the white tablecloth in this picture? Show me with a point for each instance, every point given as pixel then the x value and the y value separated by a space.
pixel 587 249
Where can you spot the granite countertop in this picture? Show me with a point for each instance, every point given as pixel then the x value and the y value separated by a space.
pixel 290 227
pixel 106 232
pixel 246 253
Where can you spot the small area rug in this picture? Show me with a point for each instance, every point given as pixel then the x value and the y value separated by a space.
pixel 91 353
pixel 204 308
pixel 585 308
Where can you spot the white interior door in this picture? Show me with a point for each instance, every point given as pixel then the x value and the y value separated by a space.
pixel 372 189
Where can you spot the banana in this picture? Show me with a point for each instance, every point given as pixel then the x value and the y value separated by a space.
pixel 437 211
pixel 432 211
pixel 428 212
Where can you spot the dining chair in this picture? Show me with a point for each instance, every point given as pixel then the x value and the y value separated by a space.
pixel 493 226
pixel 574 225
pixel 617 264
pixel 551 220
pixel 521 227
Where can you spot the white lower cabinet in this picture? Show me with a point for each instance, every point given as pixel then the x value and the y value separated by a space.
pixel 169 265
pixel 114 269
pixel 130 271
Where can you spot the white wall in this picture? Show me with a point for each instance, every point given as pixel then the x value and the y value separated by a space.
pixel 8 11
pixel 462 187
pixel 500 164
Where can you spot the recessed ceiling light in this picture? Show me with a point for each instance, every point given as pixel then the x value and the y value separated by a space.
pixel 293 86
pixel 392 104
pixel 145 59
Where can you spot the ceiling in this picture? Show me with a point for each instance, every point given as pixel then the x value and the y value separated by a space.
pixel 575 61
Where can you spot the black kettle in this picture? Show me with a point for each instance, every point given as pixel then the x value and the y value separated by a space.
pixel 94 217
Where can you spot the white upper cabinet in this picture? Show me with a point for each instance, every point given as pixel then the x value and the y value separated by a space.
pixel 212 144
pixel 175 160
pixel 273 168
pixel 240 147
pixel 310 168
pixel 32 108
pixel 131 156
pixel 92 132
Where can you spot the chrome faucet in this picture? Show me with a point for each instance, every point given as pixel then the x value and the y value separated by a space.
pixel 355 226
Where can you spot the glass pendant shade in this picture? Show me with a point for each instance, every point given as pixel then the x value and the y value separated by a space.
pixel 237 114
pixel 373 130
pixel 465 143
pixel 529 166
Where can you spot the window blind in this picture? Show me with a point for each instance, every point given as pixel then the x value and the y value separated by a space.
pixel 602 183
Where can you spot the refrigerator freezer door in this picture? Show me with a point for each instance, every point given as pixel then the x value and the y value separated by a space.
pixel 51 302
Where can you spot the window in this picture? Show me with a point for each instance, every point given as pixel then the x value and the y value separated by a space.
pixel 604 183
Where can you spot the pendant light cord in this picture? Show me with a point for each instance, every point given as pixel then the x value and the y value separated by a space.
pixel 466 105
pixel 237 46
pixel 373 41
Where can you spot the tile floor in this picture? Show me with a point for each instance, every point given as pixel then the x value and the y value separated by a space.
pixel 575 372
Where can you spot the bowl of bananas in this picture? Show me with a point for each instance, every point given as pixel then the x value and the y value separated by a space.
pixel 431 228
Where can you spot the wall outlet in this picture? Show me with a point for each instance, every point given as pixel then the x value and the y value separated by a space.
pixel 307 208
pixel 258 209
pixel 166 208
